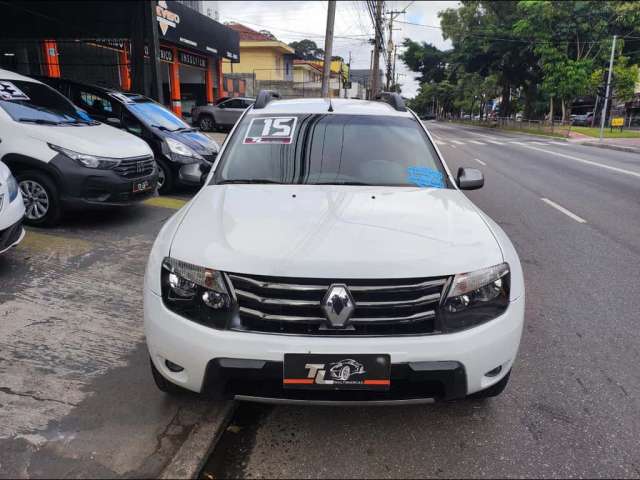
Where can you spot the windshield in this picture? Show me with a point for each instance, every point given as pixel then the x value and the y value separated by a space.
pixel 32 102
pixel 156 115
pixel 331 149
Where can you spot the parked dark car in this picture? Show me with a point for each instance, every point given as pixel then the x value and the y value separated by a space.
pixel 183 154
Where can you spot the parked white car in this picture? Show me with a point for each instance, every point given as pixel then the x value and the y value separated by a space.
pixel 331 232
pixel 11 210
pixel 62 158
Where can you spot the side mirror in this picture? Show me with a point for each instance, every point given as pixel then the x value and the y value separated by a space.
pixel 470 178
pixel 114 122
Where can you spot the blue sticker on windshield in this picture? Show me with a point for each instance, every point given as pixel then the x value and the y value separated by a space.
pixel 425 177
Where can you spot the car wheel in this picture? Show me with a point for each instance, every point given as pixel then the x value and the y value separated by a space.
pixel 494 390
pixel 165 385
pixel 344 373
pixel 206 123
pixel 41 201
pixel 165 178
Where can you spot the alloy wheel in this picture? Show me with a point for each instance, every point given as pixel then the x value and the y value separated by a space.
pixel 206 124
pixel 161 176
pixel 36 199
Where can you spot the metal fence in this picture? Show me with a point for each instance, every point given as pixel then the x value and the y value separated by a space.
pixel 556 128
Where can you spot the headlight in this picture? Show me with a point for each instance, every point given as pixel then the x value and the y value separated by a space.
pixel 86 160
pixel 196 293
pixel 13 188
pixel 476 297
pixel 179 152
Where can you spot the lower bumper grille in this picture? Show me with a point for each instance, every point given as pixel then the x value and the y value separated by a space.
pixel 294 305
pixel 10 235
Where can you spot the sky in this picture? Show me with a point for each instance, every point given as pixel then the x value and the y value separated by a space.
pixel 295 20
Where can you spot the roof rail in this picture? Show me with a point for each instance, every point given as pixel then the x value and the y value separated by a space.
pixel 264 97
pixel 394 99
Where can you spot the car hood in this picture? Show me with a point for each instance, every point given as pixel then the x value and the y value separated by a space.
pixel 335 232
pixel 197 141
pixel 101 140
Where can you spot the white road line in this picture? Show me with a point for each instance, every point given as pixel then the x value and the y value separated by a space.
pixel 457 142
pixel 480 161
pixel 564 210
pixel 539 143
pixel 581 160
pixel 562 144
pixel 477 142
pixel 520 143
pixel 495 141
pixel 440 142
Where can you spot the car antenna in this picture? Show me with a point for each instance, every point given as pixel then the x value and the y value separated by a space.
pixel 330 105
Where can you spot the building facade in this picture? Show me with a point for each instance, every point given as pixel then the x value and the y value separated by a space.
pixel 120 53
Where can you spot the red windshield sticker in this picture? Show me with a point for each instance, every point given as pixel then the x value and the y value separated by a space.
pixel 8 91
pixel 278 130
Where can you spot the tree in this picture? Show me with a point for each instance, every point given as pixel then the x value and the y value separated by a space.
pixel 425 59
pixel 307 50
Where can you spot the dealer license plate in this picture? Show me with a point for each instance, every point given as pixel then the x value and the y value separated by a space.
pixel 337 372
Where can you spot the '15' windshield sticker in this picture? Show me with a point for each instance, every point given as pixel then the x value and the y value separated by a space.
pixel 271 130
pixel 425 177
pixel 8 91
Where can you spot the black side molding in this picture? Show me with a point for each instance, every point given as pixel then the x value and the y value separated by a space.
pixel 394 99
pixel 264 97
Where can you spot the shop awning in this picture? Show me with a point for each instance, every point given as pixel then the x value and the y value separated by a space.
pixel 90 19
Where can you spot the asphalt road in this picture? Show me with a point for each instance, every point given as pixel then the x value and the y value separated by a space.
pixel 572 408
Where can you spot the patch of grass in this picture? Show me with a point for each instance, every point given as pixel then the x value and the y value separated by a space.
pixel 560 132
pixel 616 133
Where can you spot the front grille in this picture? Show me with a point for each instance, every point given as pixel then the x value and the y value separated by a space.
pixel 135 167
pixel 293 305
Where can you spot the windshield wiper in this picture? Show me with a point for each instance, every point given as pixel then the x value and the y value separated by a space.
pixel 247 180
pixel 344 183
pixel 163 128
pixel 39 121
pixel 185 129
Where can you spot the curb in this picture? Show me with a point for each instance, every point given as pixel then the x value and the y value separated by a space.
pixel 194 452
pixel 620 148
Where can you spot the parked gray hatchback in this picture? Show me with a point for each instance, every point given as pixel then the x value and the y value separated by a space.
pixel 222 115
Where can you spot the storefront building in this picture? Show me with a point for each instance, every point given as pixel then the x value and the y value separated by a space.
pixel 191 47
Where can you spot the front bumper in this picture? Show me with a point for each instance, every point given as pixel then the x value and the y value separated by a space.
pixel 193 174
pixel 88 187
pixel 11 236
pixel 250 365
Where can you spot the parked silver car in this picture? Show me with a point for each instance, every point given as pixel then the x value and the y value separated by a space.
pixel 222 115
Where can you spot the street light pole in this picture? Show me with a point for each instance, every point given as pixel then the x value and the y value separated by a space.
pixel 606 97
pixel 328 46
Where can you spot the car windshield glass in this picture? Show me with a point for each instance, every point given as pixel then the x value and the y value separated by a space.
pixel 331 150
pixel 156 115
pixel 32 102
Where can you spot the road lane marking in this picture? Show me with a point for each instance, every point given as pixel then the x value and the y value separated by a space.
pixel 166 202
pixel 519 143
pixel 440 142
pixel 495 141
pixel 564 210
pixel 581 160
pixel 562 144
pixel 480 161
pixel 457 142
pixel 539 143
pixel 477 142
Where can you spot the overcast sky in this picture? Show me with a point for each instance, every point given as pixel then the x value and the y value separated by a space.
pixel 290 21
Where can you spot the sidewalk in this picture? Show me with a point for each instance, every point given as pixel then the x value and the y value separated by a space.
pixel 623 144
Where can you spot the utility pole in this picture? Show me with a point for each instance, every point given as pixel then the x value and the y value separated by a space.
pixel 375 85
pixel 606 97
pixel 328 46
pixel 348 76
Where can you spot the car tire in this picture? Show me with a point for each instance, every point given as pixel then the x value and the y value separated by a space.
pixel 206 123
pixel 41 199
pixel 494 390
pixel 166 182
pixel 165 385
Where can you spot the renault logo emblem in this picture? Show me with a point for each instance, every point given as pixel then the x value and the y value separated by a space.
pixel 338 305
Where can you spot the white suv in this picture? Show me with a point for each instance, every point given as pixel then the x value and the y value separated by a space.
pixel 331 257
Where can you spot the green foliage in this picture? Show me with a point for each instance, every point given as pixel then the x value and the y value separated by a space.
pixel 307 50
pixel 528 52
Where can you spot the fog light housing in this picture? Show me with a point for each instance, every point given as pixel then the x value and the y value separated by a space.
pixel 173 367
